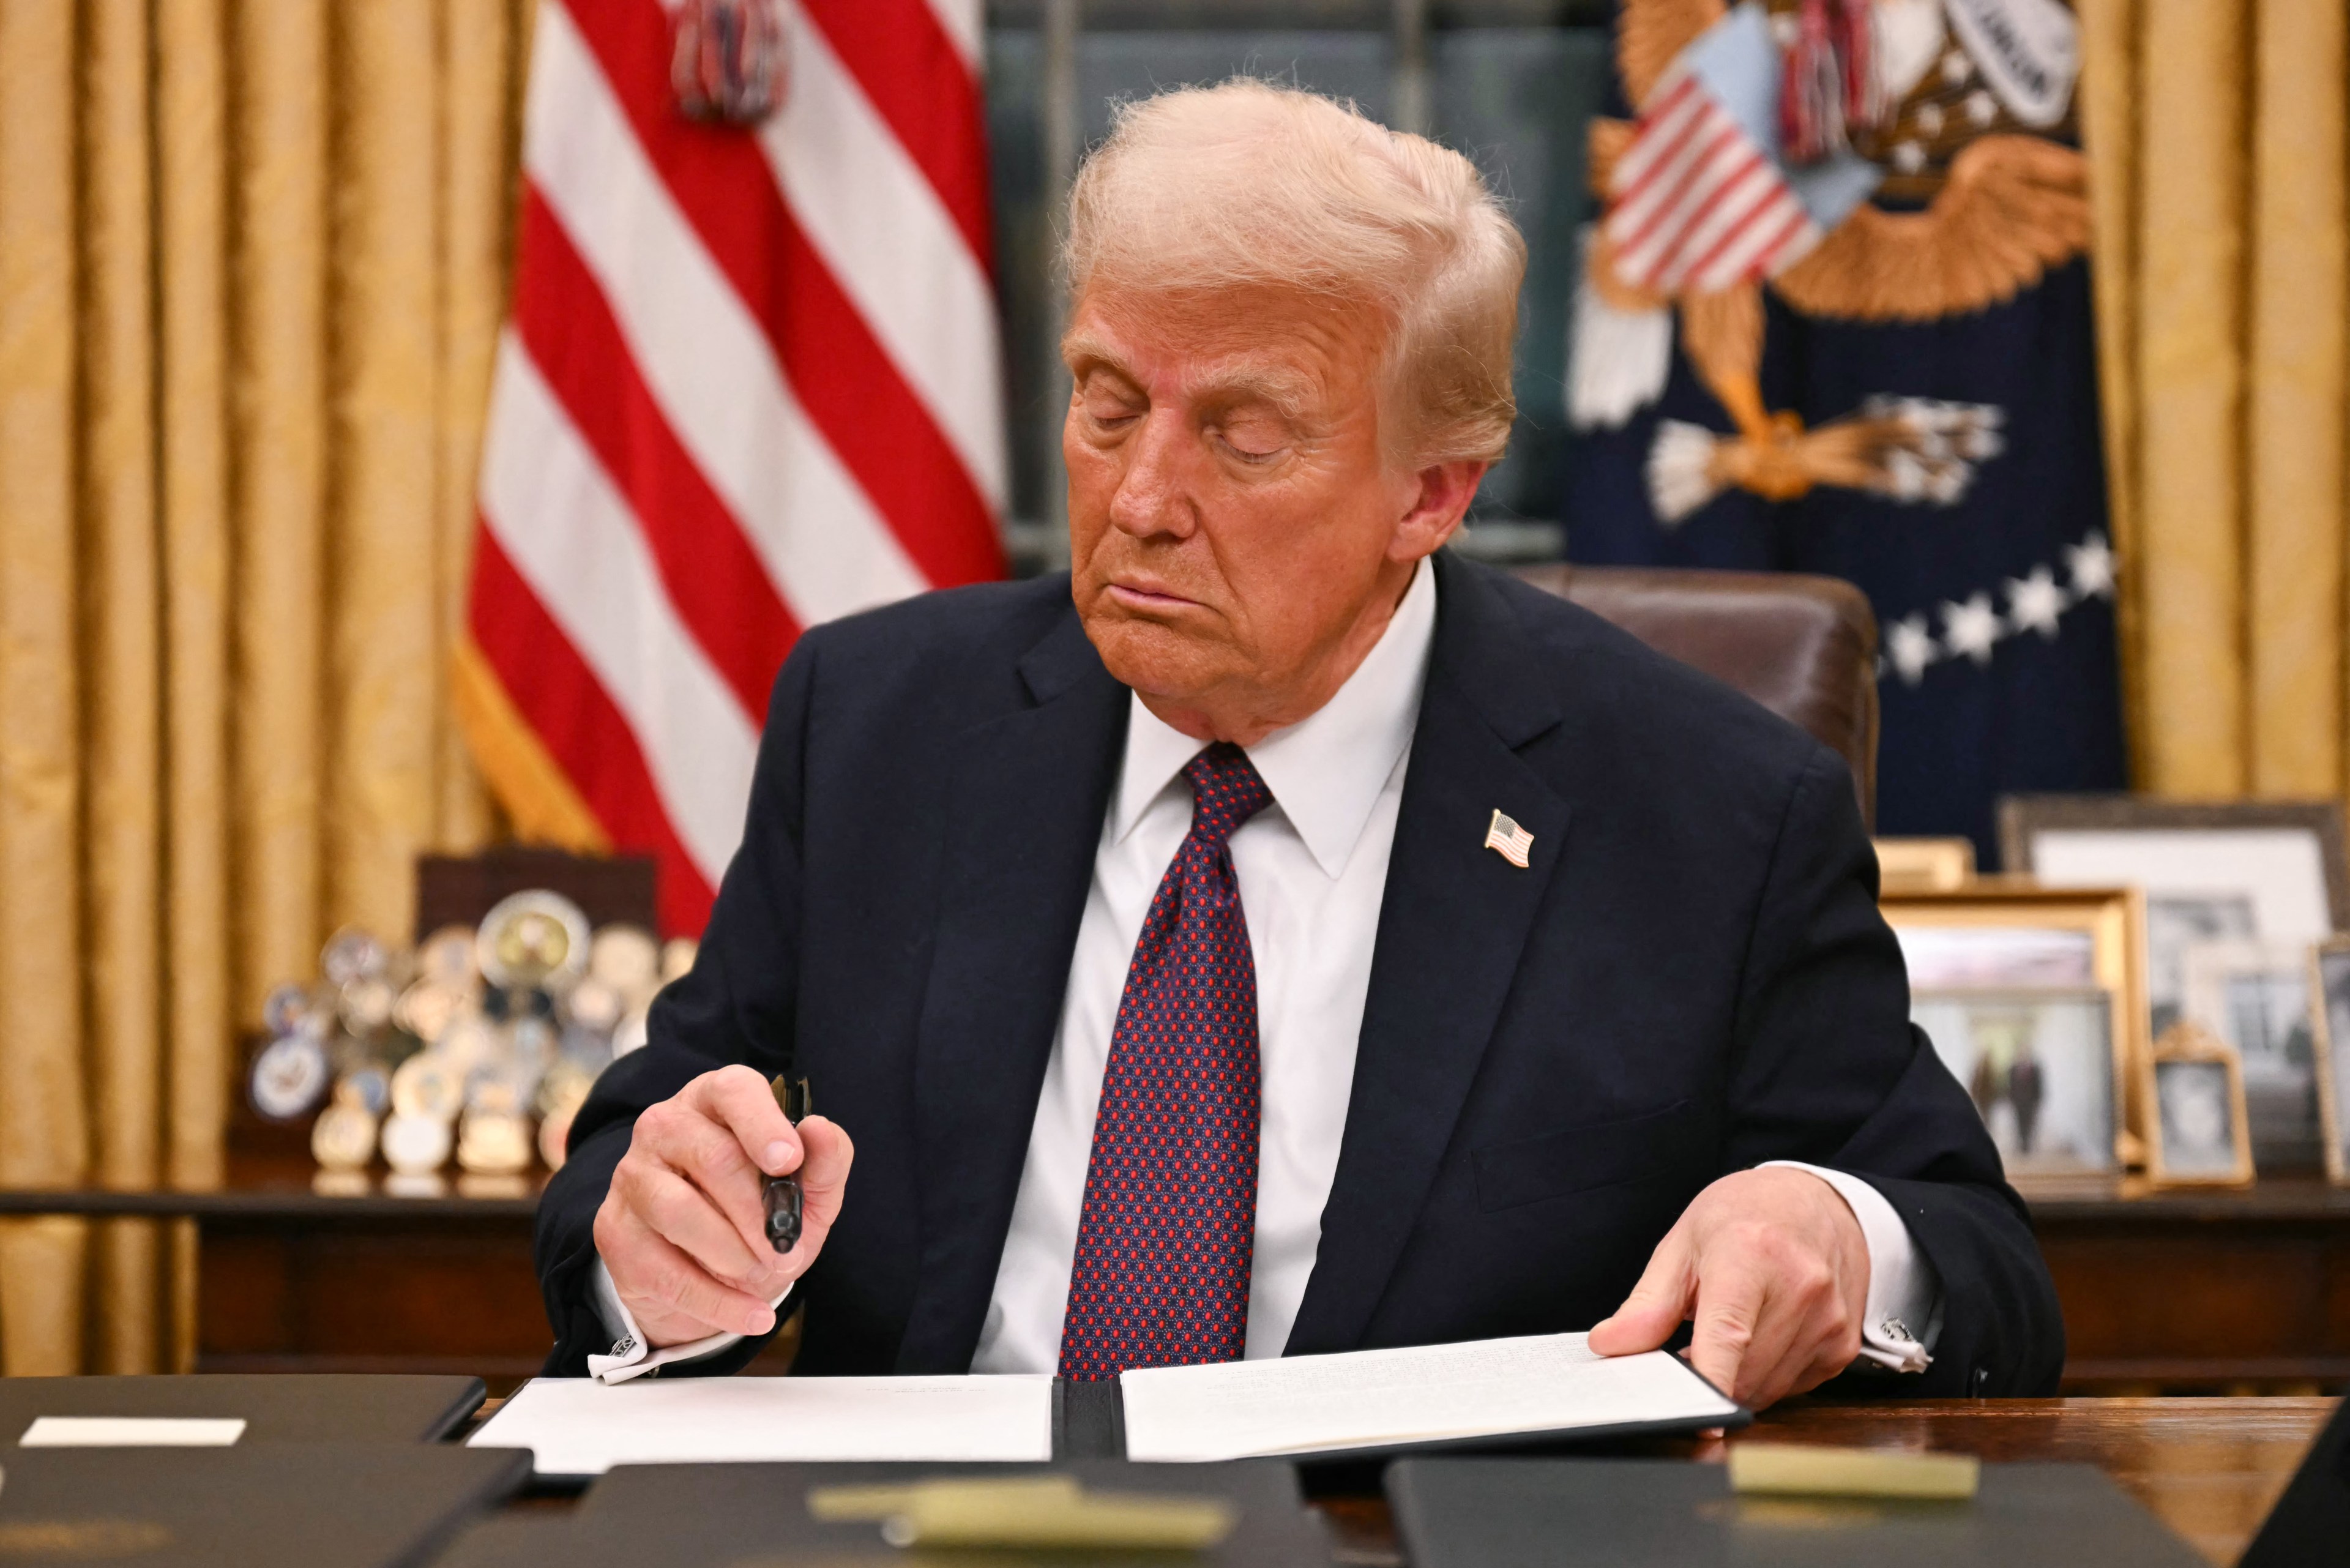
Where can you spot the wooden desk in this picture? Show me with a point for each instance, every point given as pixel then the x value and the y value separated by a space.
pixel 2209 1469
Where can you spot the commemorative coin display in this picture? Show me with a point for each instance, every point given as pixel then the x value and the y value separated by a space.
pixel 534 941
pixel 426 1087
pixel 343 1137
pixel 626 960
pixel 494 1142
pixel 415 1145
pixel 478 1044
pixel 289 1077
pixel 353 955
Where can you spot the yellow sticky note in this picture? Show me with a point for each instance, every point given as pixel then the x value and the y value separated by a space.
pixel 1117 1522
pixel 847 1504
pixel 1812 1471
pixel 1047 1513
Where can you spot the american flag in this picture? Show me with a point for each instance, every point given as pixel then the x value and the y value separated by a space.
pixel 1512 843
pixel 1696 203
pixel 749 384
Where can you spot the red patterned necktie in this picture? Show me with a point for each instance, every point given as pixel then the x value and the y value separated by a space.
pixel 1164 1242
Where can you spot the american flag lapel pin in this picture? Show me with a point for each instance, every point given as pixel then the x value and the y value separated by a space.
pixel 1505 838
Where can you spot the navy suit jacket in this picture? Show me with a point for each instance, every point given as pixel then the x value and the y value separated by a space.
pixel 1690 978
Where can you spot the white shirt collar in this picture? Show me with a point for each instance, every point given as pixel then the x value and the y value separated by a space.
pixel 1326 770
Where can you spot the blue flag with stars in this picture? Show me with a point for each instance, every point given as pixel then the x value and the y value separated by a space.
pixel 1948 442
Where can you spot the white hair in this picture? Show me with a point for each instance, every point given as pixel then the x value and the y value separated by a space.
pixel 1253 183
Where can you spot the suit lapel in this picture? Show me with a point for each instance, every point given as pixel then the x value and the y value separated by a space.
pixel 1453 923
pixel 1028 799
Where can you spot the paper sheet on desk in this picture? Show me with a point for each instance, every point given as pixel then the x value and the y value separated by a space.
pixel 1385 1399
pixel 133 1432
pixel 577 1427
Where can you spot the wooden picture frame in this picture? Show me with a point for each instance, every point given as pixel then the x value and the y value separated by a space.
pixel 2113 919
pixel 2190 1047
pixel 2270 870
pixel 1925 865
pixel 2329 978
pixel 2023 818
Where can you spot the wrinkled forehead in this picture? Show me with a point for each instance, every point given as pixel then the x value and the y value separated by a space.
pixel 1301 351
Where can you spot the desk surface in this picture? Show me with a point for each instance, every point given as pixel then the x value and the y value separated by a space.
pixel 2209 1469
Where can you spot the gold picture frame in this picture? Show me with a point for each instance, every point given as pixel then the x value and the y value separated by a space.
pixel 1925 865
pixel 2113 919
pixel 2190 1048
pixel 2333 1118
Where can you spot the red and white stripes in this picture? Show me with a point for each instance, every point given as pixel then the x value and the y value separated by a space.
pixel 749 384
pixel 1696 205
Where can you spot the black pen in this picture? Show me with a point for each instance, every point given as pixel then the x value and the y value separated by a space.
pixel 783 1192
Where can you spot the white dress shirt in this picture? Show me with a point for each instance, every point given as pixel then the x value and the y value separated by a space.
pixel 1312 868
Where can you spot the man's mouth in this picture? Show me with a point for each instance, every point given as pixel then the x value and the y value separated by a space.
pixel 1148 595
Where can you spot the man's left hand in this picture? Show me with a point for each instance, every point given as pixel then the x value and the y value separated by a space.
pixel 1773 1267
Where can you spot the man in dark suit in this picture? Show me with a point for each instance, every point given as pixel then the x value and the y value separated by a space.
pixel 1279 935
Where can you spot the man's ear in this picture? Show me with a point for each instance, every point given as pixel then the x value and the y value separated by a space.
pixel 1444 494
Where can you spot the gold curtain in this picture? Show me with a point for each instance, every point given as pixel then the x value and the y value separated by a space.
pixel 2220 173
pixel 252 258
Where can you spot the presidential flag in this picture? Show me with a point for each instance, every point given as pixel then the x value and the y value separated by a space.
pixel 1911 404
pixel 749 384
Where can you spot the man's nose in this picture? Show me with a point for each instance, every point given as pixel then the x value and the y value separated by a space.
pixel 1151 496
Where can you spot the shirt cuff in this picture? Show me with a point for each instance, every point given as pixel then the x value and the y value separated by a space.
pixel 631 1356
pixel 1904 1314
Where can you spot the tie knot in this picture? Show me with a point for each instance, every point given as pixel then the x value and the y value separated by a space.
pixel 1226 791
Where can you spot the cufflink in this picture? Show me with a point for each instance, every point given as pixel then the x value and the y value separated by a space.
pixel 624 1345
pixel 1894 1328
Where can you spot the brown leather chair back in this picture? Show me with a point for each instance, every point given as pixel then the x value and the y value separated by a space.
pixel 1803 647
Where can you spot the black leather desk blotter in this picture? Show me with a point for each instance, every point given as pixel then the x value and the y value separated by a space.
pixel 283 1408
pixel 1586 1514
pixel 270 1505
pixel 717 1515
pixel 527 1539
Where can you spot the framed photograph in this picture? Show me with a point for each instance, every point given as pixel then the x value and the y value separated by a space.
pixel 2253 870
pixel 2199 1132
pixel 2035 999
pixel 1925 865
pixel 2329 988
pixel 2040 1067
pixel 2256 997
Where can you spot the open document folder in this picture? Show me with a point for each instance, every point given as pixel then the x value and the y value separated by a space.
pixel 1428 1396
pixel 579 1427
pixel 1486 1391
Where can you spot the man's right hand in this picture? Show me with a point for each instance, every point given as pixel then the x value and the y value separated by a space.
pixel 684 1229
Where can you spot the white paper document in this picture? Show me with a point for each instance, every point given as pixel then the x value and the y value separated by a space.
pixel 133 1432
pixel 1380 1398
pixel 579 1427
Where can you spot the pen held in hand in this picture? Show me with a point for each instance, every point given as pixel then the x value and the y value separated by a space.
pixel 782 1196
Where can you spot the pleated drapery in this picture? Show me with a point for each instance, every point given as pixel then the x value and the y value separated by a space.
pixel 252 259
pixel 2220 174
